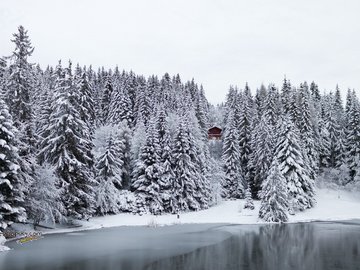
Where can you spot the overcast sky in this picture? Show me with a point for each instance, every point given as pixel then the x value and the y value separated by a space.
pixel 218 42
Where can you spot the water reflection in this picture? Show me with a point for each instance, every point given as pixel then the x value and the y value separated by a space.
pixel 272 247
pixel 277 247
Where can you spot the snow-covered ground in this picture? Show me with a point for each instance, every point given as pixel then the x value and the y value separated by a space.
pixel 331 205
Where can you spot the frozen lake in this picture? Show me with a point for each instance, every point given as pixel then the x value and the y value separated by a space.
pixel 318 245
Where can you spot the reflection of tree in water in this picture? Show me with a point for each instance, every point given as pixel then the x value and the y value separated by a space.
pixel 276 247
pixel 287 247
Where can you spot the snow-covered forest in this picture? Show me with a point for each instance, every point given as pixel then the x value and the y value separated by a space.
pixel 78 142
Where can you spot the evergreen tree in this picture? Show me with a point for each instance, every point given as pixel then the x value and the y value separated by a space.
pixel 86 102
pixel 124 136
pixel 244 126
pixel 186 194
pixel 263 151
pixel 67 146
pixel 105 100
pixel 286 93
pixel 233 182
pixel 109 176
pixel 274 196
pixel 249 203
pixel 338 106
pixel 306 127
pixel 11 189
pixel 334 140
pixel 352 133
pixel 146 184
pixel 315 93
pixel 292 165
pixel 271 108
pixel 20 90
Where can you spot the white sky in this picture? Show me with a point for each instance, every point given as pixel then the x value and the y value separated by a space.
pixel 218 42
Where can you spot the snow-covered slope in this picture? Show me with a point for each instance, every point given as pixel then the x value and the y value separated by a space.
pixel 331 205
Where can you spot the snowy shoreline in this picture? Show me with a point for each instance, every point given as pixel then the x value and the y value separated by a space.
pixel 332 205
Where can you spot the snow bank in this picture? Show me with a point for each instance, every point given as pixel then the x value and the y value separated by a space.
pixel 331 205
pixel 2 241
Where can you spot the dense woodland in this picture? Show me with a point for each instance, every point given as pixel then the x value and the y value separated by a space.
pixel 77 142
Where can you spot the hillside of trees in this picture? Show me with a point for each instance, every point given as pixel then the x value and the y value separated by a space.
pixel 77 142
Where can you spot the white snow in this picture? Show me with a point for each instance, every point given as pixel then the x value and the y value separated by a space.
pixel 2 241
pixel 331 205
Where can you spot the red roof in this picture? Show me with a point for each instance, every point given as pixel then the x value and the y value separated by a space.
pixel 214 130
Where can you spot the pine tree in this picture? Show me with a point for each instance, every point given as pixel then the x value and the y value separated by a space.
pixel 109 176
pixel 3 75
pixel 249 203
pixel 244 126
pixel 335 140
pixel 20 90
pixel 105 100
pixel 352 133
pixel 120 109
pixel 263 151
pixel 338 105
pixel 165 153
pixel 186 188
pixel 124 136
pixel 315 93
pixel 143 102
pixel 286 93
pixel 306 127
pixel 271 108
pixel 146 183
pixel 233 183
pixel 67 146
pixel 274 196
pixel 292 165
pixel 138 140
pixel 86 102
pixel 19 95
pixel 11 189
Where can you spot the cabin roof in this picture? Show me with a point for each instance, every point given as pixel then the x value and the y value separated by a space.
pixel 215 128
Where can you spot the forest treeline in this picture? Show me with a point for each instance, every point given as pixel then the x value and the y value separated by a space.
pixel 75 143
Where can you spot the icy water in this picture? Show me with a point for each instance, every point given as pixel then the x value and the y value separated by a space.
pixel 318 245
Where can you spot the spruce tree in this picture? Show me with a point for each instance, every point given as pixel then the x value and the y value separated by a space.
pixel 244 127
pixel 11 188
pixel 352 133
pixel 306 125
pixel 67 146
pixel 249 203
pixel 86 102
pixel 233 183
pixel 263 152
pixel 146 183
pixel 109 176
pixel 186 194
pixel 106 98
pixel 20 91
pixel 274 196
pixel 293 166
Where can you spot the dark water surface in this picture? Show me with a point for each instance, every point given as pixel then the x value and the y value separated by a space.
pixel 318 245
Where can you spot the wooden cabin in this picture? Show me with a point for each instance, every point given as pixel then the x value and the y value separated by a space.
pixel 214 133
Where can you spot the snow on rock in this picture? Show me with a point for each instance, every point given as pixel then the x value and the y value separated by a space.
pixel 2 241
